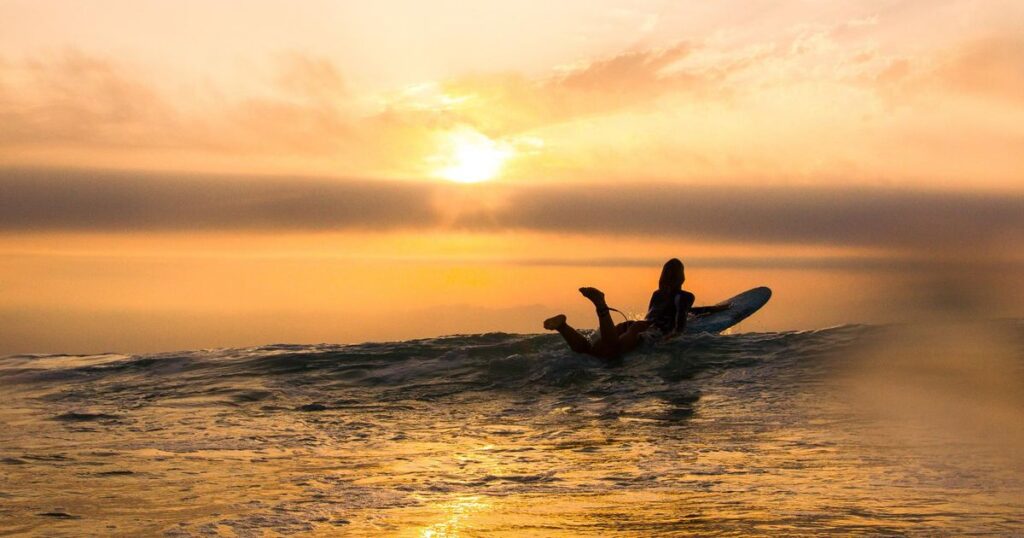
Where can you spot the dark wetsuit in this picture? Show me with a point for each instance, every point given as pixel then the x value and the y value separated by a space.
pixel 668 309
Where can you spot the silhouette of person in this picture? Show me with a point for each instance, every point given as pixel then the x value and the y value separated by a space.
pixel 669 307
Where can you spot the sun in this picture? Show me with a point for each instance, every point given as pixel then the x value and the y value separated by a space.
pixel 469 156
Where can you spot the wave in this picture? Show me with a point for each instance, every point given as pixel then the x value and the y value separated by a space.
pixel 286 436
pixel 415 369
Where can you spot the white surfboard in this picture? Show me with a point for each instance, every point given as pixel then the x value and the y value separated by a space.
pixel 740 308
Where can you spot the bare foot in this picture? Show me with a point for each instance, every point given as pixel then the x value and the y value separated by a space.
pixel 595 295
pixel 554 323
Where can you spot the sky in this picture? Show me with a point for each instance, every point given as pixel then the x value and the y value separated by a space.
pixel 200 174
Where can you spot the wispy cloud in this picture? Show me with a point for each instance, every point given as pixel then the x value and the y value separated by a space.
pixel 990 68
pixel 74 97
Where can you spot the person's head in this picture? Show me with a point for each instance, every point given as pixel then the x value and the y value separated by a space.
pixel 672 275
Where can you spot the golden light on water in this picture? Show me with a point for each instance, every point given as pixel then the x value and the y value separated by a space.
pixel 469 156
pixel 454 514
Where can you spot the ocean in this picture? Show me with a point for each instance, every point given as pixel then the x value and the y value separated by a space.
pixel 850 430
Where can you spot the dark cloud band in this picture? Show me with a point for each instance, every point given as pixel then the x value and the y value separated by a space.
pixel 809 215
pixel 46 200
pixel 32 200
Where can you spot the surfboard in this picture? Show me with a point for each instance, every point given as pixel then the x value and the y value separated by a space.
pixel 740 308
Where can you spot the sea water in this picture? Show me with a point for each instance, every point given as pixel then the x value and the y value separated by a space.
pixel 792 433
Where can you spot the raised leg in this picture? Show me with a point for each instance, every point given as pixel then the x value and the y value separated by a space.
pixel 609 336
pixel 577 342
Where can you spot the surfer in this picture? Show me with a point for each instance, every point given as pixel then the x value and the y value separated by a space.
pixel 671 305
pixel 667 311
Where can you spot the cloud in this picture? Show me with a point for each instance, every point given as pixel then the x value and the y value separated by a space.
pixel 625 73
pixel 78 98
pixel 307 106
pixel 900 220
pixel 806 215
pixel 89 110
pixel 314 78
pixel 502 104
pixel 815 101
pixel 33 201
pixel 986 68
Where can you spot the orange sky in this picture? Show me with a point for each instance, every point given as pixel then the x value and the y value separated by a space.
pixel 162 162
pixel 916 93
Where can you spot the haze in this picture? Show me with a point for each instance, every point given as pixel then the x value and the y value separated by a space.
pixel 204 174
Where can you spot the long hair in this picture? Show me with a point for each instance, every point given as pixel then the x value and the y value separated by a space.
pixel 671 275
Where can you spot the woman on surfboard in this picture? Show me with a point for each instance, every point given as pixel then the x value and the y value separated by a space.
pixel 667 312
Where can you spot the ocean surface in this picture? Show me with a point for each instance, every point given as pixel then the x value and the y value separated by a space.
pixel 853 430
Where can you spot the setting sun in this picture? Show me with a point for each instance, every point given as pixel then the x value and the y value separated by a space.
pixel 471 157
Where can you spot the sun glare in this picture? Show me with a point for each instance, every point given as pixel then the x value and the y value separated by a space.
pixel 471 157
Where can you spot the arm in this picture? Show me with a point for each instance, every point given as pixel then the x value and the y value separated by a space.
pixel 652 305
pixel 684 301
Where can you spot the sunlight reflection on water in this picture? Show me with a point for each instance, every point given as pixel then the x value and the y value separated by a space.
pixel 502 435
